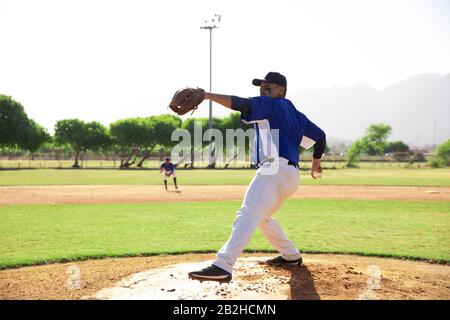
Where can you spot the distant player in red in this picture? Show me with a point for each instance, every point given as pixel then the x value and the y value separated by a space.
pixel 168 170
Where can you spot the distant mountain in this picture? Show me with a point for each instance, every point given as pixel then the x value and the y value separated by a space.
pixel 418 109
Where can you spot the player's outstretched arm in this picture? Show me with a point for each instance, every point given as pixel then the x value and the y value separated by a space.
pixel 231 102
pixel 222 99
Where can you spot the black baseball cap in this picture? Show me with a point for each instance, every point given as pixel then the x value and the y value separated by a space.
pixel 272 77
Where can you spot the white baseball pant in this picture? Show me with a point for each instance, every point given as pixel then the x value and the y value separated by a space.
pixel 265 195
pixel 166 176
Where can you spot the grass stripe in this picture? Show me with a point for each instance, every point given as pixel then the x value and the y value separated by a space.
pixel 388 177
pixel 34 234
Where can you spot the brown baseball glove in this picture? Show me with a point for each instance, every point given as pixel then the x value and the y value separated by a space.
pixel 186 100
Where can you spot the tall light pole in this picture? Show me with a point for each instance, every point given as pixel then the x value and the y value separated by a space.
pixel 210 25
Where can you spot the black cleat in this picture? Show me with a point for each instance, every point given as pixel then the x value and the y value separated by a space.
pixel 211 273
pixel 280 261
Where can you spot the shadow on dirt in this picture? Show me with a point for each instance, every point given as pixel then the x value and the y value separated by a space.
pixel 301 283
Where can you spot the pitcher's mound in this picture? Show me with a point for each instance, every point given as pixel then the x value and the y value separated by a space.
pixel 319 278
pixel 252 279
pixel 323 276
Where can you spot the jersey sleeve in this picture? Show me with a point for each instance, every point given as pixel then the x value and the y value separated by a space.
pixel 311 135
pixel 261 108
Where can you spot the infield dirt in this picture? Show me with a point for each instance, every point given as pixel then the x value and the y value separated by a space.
pixel 151 193
pixel 323 276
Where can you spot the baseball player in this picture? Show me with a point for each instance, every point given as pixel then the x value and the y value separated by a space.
pixel 168 170
pixel 269 188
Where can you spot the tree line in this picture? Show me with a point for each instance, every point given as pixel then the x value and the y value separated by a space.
pixel 16 129
pixel 375 142
pixel 134 139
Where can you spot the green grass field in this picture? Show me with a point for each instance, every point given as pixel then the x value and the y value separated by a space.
pixel 385 176
pixel 110 164
pixel 31 234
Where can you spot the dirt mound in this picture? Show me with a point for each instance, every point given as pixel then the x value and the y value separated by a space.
pixel 323 276
pixel 251 281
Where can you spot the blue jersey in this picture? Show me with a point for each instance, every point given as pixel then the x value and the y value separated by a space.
pixel 168 167
pixel 294 129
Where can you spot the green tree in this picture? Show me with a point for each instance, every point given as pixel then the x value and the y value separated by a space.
pixel 396 146
pixel 127 135
pixel 35 136
pixel 372 143
pixel 218 123
pixel 81 136
pixel 162 126
pixel 13 122
pixel 442 157
pixel 16 129
pixel 96 136
pixel 234 121
pixel 131 137
pixel 70 131
pixel 353 153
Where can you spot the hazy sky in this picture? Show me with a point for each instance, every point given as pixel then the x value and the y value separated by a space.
pixel 107 60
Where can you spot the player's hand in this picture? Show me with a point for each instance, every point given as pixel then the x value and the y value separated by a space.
pixel 316 169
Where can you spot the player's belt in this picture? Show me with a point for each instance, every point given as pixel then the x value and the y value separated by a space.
pixel 291 163
pixel 264 161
